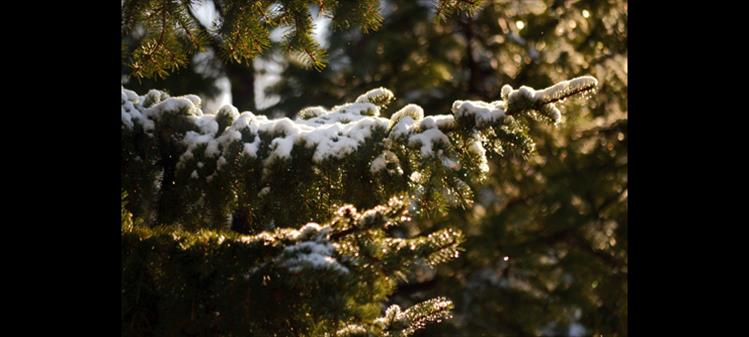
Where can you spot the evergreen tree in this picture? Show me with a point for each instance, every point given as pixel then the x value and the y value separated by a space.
pixel 544 246
pixel 235 224
pixel 166 45
pixel 558 216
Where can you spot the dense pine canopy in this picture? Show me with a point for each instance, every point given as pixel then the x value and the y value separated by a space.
pixel 422 175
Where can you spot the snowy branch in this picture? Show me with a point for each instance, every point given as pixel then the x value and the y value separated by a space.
pixel 340 131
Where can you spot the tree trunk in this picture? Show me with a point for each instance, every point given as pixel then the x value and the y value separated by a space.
pixel 242 79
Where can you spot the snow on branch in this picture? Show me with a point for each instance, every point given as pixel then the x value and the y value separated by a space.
pixel 233 155
pixel 407 322
pixel 380 96
pixel 564 89
pixel 340 131
pixel 543 101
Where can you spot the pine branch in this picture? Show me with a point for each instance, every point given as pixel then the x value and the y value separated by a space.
pixel 400 323
pixel 334 139
pixel 245 30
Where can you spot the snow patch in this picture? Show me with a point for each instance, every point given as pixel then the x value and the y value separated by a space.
pixel 379 96
pixel 482 113
pixel 427 141
pixel 311 255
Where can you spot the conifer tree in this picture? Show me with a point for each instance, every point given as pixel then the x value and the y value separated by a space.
pixel 239 225
pixel 166 45
pixel 560 215
pixel 169 32
pixel 347 235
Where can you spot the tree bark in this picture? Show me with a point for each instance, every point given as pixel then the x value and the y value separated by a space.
pixel 242 79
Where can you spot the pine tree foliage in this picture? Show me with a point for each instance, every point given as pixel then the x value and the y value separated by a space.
pixel 184 162
pixel 284 282
pixel 560 215
pixel 227 237
pixel 446 8
pixel 169 32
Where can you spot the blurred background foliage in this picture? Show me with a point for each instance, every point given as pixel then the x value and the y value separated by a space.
pixel 546 249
